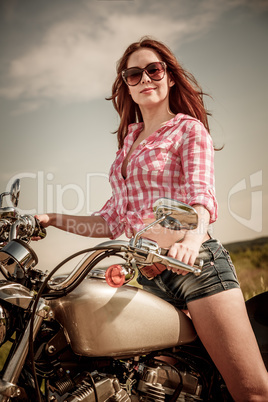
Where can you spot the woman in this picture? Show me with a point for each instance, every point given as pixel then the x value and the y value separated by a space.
pixel 165 150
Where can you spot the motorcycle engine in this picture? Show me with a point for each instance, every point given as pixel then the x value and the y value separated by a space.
pixel 107 388
pixel 162 382
pixel 153 383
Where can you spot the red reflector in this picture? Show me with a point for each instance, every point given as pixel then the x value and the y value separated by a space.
pixel 115 276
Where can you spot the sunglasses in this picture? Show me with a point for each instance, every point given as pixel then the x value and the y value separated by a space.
pixel 133 75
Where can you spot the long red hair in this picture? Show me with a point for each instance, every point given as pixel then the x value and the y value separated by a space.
pixel 186 96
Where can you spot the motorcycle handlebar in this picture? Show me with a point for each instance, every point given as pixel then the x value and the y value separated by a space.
pixel 142 256
pixel 117 275
pixel 26 226
pixel 196 269
pixel 173 263
pixel 147 252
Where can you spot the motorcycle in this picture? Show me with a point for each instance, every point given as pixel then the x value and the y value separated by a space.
pixel 91 335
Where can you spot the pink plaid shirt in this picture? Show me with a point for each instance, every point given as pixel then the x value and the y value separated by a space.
pixel 176 161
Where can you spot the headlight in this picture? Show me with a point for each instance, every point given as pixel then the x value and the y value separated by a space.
pixel 17 255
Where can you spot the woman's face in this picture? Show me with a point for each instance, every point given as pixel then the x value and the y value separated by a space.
pixel 148 93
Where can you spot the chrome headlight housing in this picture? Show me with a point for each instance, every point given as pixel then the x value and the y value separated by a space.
pixel 17 255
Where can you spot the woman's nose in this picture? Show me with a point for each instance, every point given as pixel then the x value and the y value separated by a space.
pixel 145 77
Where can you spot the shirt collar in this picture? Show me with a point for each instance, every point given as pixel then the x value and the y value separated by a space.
pixel 135 126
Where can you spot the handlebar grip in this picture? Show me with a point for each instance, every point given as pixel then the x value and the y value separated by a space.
pixel 39 230
pixel 198 262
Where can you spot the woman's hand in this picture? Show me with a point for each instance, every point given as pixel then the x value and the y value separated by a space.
pixel 44 219
pixel 186 252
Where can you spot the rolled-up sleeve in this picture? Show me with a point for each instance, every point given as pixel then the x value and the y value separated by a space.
pixel 197 158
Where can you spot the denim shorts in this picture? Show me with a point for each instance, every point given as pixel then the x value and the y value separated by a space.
pixel 218 274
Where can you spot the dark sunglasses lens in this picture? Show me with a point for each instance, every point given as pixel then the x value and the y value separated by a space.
pixel 156 71
pixel 133 76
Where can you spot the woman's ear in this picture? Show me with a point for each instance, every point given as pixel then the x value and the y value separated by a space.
pixel 171 82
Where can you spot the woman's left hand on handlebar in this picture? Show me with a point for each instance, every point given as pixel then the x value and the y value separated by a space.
pixel 43 221
pixel 187 250
pixel 184 251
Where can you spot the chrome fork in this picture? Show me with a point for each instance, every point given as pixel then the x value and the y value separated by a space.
pixel 8 387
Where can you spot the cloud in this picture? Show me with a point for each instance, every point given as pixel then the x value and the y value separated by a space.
pixel 72 65
pixel 75 58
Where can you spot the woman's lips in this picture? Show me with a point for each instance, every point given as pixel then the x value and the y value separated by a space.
pixel 147 90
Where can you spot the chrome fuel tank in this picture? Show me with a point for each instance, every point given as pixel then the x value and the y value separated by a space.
pixel 103 321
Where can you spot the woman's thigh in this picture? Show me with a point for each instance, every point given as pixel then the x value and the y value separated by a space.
pixel 222 324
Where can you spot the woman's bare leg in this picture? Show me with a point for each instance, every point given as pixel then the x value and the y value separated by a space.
pixel 222 324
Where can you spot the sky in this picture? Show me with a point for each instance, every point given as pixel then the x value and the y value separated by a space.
pixel 57 65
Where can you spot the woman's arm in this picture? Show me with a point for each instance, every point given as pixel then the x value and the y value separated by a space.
pixel 91 226
pixel 197 159
pixel 188 249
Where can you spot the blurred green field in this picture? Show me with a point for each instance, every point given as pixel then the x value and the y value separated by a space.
pixel 251 262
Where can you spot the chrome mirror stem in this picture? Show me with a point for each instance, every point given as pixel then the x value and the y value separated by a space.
pixel 138 234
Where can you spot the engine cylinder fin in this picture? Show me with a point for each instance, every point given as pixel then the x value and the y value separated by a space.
pixel 83 391
pixel 64 385
pixel 154 393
